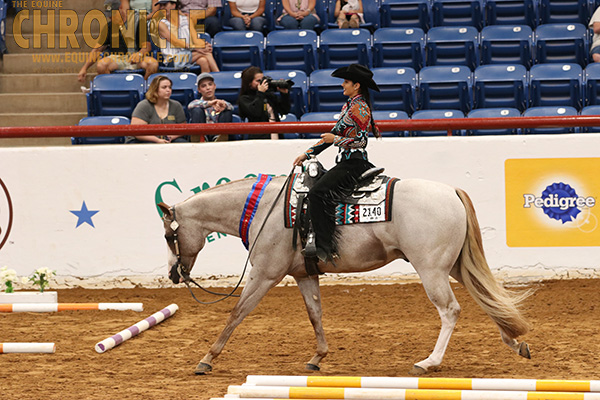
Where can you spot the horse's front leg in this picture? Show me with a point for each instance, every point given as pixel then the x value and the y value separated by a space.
pixel 309 287
pixel 256 287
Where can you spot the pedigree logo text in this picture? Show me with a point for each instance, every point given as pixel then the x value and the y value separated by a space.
pixel 552 202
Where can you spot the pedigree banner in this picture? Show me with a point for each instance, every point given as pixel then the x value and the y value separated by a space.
pixel 552 202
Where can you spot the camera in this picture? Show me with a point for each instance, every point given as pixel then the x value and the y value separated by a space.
pixel 278 83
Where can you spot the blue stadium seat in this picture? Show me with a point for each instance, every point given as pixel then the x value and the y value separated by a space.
pixel 561 43
pixel 299 92
pixel 437 114
pixel 291 50
pixel 445 87
pixel 556 85
pixel 511 12
pixel 590 110
pixel 236 50
pixel 184 86
pixel 494 113
pixel 3 10
pixel 399 47
pixel 564 11
pixel 405 13
pixel 500 85
pixel 290 118
pixel 550 111
pixel 398 89
pixel 452 45
pixel 325 92
pixel 458 13
pixel 506 44
pixel 319 117
pixel 370 14
pixel 228 85
pixel 340 47
pixel 390 115
pixel 115 94
pixel 103 120
pixel 592 84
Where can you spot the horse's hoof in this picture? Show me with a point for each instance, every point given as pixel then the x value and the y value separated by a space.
pixel 524 350
pixel 416 370
pixel 203 369
pixel 312 367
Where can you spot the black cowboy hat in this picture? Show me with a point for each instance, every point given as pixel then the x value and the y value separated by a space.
pixel 357 73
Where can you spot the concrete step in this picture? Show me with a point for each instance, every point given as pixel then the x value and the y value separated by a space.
pixel 24 103
pixel 41 119
pixel 44 63
pixel 26 43
pixel 40 83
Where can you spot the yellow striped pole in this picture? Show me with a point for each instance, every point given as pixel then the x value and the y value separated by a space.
pixel 527 385
pixel 337 393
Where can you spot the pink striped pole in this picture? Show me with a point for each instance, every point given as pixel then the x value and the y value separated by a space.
pixel 136 329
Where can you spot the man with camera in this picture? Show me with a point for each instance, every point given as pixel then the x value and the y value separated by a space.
pixel 263 99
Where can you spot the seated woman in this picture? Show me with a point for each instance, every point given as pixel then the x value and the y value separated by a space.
pixel 247 15
pixel 299 14
pixel 184 49
pixel 158 108
pixel 349 13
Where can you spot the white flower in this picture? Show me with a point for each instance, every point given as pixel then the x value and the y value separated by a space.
pixel 7 275
pixel 24 280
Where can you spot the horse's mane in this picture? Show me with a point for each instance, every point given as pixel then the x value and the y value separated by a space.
pixel 223 185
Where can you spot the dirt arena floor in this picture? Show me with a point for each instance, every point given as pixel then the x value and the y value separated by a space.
pixel 373 330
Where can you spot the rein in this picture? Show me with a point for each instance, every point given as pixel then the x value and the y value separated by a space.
pixel 184 271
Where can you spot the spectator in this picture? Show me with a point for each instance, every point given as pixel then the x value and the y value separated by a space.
pixel 137 5
pixel 120 57
pixel 209 109
pixel 211 21
pixel 178 50
pixel 595 26
pixel 158 108
pixel 298 14
pixel 247 15
pixel 259 103
pixel 349 13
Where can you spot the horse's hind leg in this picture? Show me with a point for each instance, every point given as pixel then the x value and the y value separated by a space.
pixel 439 292
pixel 309 287
pixel 522 348
pixel 256 288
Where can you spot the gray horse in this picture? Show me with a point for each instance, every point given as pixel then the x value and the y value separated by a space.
pixel 433 226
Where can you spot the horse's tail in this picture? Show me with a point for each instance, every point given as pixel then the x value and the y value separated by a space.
pixel 499 303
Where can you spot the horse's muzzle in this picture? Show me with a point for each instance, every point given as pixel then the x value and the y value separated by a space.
pixel 178 272
pixel 174 275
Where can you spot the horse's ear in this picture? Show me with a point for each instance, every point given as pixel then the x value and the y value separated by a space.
pixel 165 209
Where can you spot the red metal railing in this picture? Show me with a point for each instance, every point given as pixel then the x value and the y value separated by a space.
pixel 296 127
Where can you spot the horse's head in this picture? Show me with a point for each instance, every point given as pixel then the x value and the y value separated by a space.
pixel 183 244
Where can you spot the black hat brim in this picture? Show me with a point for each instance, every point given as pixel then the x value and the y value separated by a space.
pixel 356 76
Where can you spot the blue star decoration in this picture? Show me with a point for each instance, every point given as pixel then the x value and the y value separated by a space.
pixel 84 215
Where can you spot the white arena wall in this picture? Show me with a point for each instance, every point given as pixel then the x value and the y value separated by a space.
pixel 504 175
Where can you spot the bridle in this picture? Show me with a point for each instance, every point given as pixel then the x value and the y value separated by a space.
pixel 184 271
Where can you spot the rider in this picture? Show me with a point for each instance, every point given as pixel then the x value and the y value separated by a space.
pixel 350 134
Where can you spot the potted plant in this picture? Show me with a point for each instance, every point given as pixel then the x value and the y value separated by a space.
pixel 40 278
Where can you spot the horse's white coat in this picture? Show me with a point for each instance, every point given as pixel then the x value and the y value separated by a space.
pixel 428 228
